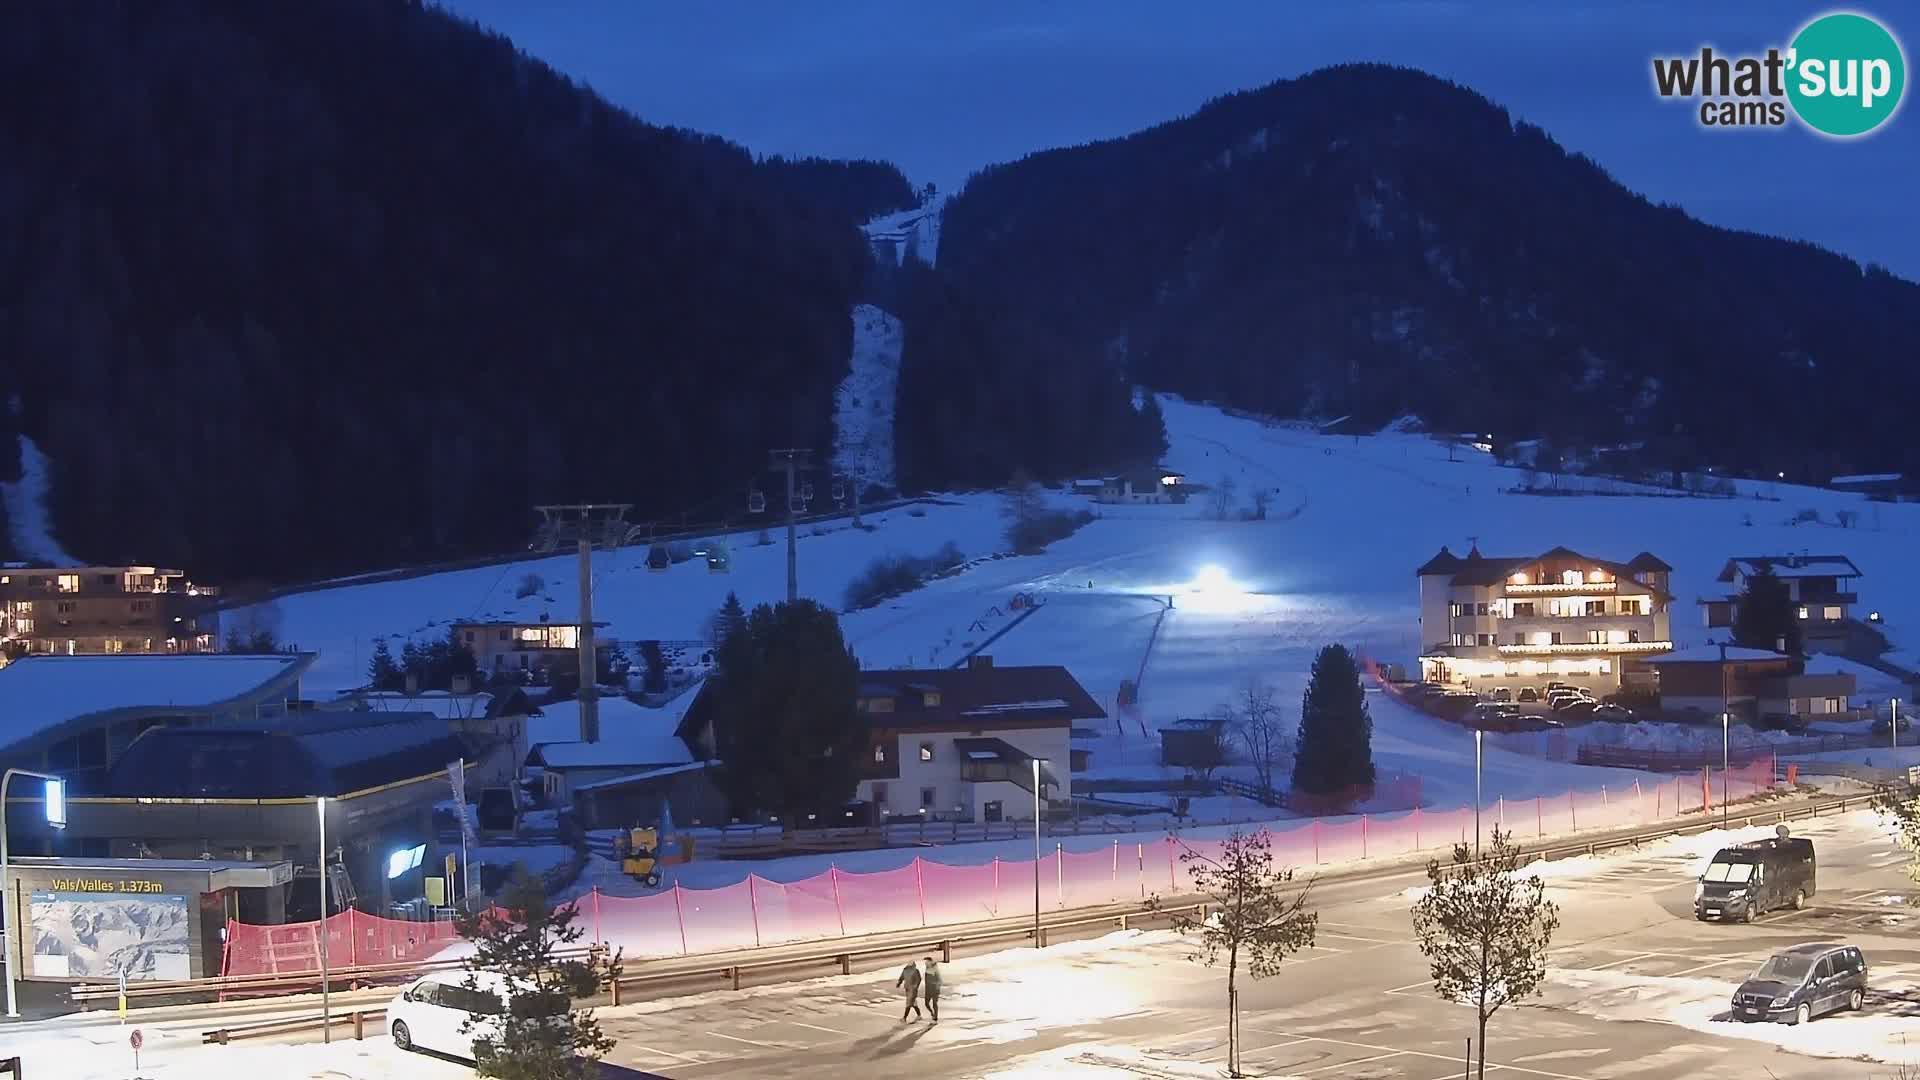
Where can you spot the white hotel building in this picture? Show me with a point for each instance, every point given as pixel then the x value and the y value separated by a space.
pixel 1561 616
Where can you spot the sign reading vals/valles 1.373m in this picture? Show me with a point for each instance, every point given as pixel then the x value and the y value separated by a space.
pixel 100 885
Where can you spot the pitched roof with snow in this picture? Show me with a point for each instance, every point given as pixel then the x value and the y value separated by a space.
pixel 630 735
pixel 1711 654
pixel 1789 566
pixel 320 753
pixel 977 697
pixel 43 692
pixel 1478 569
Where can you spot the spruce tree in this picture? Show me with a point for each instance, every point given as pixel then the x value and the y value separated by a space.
pixel 1334 752
pixel 382 672
pixel 540 1032
pixel 785 727
pixel 1765 616
pixel 655 662
pixel 729 618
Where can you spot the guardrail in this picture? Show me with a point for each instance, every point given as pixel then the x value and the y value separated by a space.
pixel 732 967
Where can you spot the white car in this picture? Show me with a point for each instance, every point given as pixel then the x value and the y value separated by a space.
pixel 432 1012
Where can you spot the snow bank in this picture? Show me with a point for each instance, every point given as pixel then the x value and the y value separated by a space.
pixel 863 405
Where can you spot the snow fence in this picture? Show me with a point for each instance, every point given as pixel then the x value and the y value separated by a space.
pixel 925 893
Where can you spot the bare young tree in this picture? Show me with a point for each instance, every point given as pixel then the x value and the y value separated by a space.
pixel 1251 918
pixel 1256 723
pixel 1223 498
pixel 1899 810
pixel 1485 930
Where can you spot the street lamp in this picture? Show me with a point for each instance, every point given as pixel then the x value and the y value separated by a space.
pixel 56 809
pixel 1727 719
pixel 1036 853
pixel 1477 733
pixel 326 992
pixel 1893 724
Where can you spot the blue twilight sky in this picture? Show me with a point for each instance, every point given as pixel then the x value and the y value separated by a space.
pixel 942 89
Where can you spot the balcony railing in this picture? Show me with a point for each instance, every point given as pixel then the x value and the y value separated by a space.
pixel 1561 588
pixel 1566 648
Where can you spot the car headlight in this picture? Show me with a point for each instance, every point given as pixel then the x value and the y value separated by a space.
pixel 1699 891
pixel 1737 894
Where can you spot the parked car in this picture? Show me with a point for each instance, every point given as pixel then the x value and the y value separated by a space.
pixel 1578 709
pixel 1797 984
pixel 1503 693
pixel 1886 724
pixel 1754 878
pixel 1560 699
pixel 1552 686
pixel 1529 694
pixel 441 1012
pixel 1496 716
pixel 1619 714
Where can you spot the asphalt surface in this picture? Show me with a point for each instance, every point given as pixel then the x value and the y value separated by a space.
pixel 1358 1007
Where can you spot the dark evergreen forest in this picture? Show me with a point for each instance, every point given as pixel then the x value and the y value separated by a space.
pixel 1373 241
pixel 290 289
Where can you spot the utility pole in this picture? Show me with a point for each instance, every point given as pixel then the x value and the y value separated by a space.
pixel 792 462
pixel 585 524
pixel 589 681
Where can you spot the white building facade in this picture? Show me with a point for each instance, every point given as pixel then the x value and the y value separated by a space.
pixel 1555 617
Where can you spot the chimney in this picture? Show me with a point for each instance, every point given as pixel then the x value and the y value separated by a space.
pixel 979 662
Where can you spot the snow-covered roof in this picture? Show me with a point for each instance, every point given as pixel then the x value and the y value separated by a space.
pixel 1790 566
pixel 630 734
pixel 1711 654
pixel 650 774
pixel 1867 478
pixel 41 692
pixel 1015 706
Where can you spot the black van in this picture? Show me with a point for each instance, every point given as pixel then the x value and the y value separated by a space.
pixel 1752 879
pixel 1803 982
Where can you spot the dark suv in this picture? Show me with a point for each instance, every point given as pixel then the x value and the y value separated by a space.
pixel 1804 982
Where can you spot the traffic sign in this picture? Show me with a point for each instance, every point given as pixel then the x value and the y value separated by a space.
pixel 135 1039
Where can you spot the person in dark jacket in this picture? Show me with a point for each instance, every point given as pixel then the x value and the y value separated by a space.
pixel 931 983
pixel 909 981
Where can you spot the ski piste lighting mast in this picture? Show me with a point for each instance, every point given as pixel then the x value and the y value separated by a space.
pixel 584 525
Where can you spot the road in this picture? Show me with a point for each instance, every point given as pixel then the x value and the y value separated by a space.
pixel 1634 986
pixel 1358 1007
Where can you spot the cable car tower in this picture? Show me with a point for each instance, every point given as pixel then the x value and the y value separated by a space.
pixel 584 526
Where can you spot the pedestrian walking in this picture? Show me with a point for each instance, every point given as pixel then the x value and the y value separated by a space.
pixel 909 981
pixel 932 984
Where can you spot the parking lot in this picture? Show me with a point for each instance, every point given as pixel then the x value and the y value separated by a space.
pixel 1635 987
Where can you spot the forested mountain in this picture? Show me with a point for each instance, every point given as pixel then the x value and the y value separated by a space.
pixel 1374 241
pixel 854 190
pixel 288 289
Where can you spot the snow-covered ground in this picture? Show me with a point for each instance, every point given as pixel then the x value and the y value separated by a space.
pixel 1351 518
pixel 27 518
pixel 863 406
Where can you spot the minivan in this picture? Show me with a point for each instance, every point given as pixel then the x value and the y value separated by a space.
pixel 449 1012
pixel 1754 878
pixel 1803 982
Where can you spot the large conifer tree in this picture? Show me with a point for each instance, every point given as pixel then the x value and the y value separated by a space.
pixel 1334 752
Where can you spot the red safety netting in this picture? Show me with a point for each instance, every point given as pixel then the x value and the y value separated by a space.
pixel 758 911
pixel 353 939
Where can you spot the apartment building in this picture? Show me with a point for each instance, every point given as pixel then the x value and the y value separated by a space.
pixel 523 646
pixel 1527 621
pixel 1822 588
pixel 104 610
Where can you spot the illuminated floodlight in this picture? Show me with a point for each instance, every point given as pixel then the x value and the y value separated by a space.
pixel 1212 578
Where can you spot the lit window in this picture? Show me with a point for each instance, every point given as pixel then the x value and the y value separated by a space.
pixel 879 755
pixel 1803 612
pixel 1832 614
pixel 1553 607
pixel 1596 575
pixel 1570 577
pixel 113 645
pixel 1519 578
pixel 1541 637
pixel 24 626
pixel 926 751
pixel 68 583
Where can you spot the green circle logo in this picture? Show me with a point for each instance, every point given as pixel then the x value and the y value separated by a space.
pixel 1846 74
